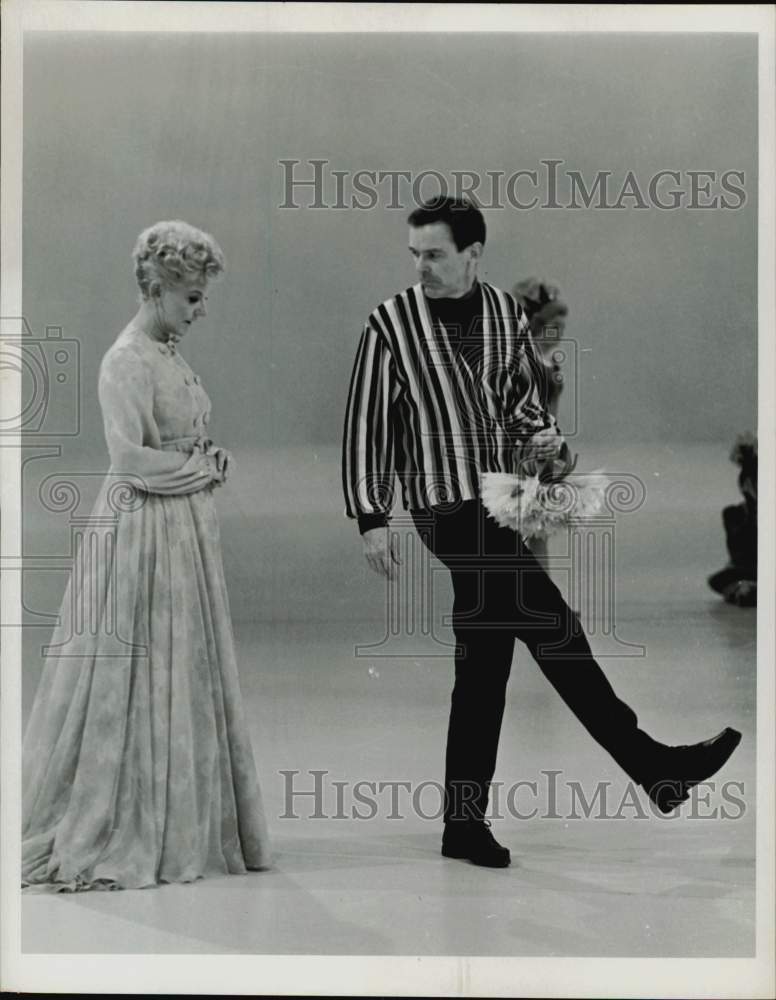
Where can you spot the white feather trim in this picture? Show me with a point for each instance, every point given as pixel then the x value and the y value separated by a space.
pixel 536 509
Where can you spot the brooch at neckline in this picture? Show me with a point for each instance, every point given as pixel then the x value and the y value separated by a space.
pixel 170 347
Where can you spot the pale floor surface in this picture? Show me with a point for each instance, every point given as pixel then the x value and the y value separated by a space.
pixel 631 886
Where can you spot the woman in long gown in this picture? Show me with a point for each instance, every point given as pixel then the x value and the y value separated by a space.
pixel 137 762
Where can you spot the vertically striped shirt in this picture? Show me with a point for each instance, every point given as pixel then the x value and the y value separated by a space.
pixel 435 415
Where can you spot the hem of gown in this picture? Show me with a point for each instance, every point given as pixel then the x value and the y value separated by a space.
pixel 81 884
pixel 77 884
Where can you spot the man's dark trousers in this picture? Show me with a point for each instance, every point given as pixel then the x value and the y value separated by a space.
pixel 502 593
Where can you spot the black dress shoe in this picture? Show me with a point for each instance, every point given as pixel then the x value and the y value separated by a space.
pixel 743 594
pixel 472 840
pixel 681 768
pixel 723 578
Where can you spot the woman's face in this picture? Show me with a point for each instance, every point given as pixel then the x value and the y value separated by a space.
pixel 180 305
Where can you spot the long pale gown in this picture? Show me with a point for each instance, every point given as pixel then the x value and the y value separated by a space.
pixel 138 767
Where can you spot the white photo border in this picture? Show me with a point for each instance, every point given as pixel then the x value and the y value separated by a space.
pixel 406 975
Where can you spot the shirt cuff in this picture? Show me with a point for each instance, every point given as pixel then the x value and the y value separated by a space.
pixel 368 521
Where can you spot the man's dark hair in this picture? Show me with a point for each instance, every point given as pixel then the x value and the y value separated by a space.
pixel 465 220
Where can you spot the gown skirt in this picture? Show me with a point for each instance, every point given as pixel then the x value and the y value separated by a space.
pixel 138 766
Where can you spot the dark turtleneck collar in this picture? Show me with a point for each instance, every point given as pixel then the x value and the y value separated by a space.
pixel 461 317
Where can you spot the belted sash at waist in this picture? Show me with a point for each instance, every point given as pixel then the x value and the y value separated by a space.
pixel 188 445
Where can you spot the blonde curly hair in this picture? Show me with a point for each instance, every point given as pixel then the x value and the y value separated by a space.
pixel 173 253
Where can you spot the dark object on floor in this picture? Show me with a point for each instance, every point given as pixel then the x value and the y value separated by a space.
pixel 737 582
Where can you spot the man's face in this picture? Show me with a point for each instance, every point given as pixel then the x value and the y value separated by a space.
pixel 444 271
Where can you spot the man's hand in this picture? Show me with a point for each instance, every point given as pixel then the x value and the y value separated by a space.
pixel 382 558
pixel 544 446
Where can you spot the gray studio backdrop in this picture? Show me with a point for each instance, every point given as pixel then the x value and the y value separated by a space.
pixel 124 129
pixel 121 130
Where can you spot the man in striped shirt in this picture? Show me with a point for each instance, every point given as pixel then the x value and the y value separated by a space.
pixel 446 385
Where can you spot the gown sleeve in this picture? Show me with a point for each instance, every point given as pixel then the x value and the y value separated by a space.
pixel 132 435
